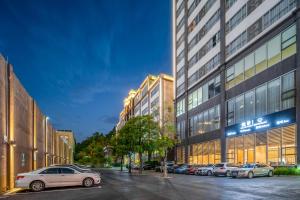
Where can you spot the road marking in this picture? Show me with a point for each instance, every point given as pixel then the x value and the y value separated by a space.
pixel 50 191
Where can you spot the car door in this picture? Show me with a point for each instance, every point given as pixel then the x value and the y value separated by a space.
pixel 70 177
pixel 259 170
pixel 51 177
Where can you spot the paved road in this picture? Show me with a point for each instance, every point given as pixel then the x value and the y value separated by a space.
pixel 122 186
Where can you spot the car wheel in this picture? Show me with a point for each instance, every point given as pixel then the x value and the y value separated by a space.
pixel 270 174
pixel 88 182
pixel 209 173
pixel 37 186
pixel 250 175
pixel 228 174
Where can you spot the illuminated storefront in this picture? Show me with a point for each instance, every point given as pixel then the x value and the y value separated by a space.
pixel 270 139
pixel 205 153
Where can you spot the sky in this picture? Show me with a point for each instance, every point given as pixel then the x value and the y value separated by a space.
pixel 79 58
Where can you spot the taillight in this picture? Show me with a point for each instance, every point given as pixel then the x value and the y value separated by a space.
pixel 20 177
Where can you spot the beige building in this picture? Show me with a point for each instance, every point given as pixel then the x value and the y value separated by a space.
pixel 26 134
pixel 154 97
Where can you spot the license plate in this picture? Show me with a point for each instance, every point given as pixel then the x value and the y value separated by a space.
pixel 234 173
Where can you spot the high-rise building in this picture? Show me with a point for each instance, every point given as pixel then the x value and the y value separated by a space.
pixel 237 76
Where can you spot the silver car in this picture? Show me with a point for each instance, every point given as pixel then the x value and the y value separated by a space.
pixel 56 177
pixel 205 170
pixel 253 170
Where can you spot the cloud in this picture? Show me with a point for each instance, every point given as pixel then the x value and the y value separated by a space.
pixel 109 119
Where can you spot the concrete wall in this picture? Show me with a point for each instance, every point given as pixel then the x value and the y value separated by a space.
pixel 26 135
pixel 3 122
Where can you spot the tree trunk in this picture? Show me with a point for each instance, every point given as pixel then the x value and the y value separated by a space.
pixel 141 163
pixel 122 163
pixel 129 166
pixel 165 165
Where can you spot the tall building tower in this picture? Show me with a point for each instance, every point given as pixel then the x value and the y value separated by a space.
pixel 237 76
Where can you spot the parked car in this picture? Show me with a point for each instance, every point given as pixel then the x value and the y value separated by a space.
pixel 80 169
pixel 192 169
pixel 150 165
pixel 206 170
pixel 170 165
pixel 253 170
pixel 182 169
pixel 224 169
pixel 56 177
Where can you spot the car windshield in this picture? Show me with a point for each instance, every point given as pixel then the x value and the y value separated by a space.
pixel 77 168
pixel 219 165
pixel 248 166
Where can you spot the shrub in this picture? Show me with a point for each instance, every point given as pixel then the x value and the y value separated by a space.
pixel 287 171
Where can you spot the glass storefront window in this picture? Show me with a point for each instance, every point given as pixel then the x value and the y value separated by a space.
pixel 205 153
pixel 239 150
pixel 249 148
pixel 289 145
pixel 273 147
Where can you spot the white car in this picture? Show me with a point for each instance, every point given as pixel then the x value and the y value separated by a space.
pixel 205 170
pixel 56 177
pixel 253 170
pixel 224 169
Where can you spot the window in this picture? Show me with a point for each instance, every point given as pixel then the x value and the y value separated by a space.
pixel 249 66
pixel 205 92
pixel 288 42
pixel 230 77
pixel 205 69
pixel 261 100
pixel 50 171
pixel 288 91
pixel 211 89
pixel 261 58
pixel 66 171
pixel 239 108
pixel 274 50
pixel 229 3
pixel 274 96
pixel 180 107
pixel 249 105
pixel 155 90
pixel 181 130
pixel 230 112
pixel 236 19
pixel 180 89
pixel 239 72
pixel 144 101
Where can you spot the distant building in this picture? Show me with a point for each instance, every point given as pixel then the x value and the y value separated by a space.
pixel 236 67
pixel 153 97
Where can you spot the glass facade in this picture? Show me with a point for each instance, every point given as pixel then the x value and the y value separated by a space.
pixel 275 50
pixel 274 147
pixel 205 153
pixel 276 95
pixel 180 154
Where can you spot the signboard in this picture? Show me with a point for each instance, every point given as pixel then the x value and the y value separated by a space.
pixel 273 120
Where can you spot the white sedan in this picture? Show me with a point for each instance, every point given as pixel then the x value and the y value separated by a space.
pixel 56 177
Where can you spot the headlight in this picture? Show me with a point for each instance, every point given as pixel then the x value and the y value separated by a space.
pixel 242 171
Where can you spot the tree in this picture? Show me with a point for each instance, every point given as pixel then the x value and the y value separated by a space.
pixel 167 132
pixel 139 134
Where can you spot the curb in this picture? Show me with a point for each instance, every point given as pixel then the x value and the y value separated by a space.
pixel 12 191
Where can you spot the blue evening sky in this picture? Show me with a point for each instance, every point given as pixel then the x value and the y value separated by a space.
pixel 79 58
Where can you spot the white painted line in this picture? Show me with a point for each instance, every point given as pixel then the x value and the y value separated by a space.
pixel 56 190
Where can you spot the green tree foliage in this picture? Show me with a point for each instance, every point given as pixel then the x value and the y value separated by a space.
pixel 91 150
pixel 138 135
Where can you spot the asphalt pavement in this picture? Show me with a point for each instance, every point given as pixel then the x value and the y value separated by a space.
pixel 151 186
